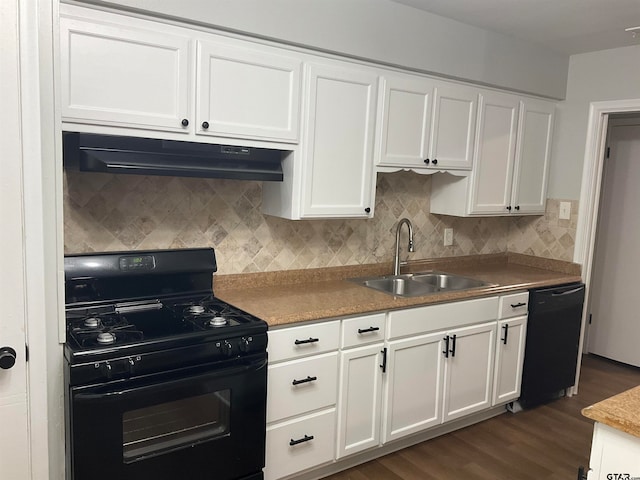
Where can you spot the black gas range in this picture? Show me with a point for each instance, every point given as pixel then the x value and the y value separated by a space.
pixel 162 376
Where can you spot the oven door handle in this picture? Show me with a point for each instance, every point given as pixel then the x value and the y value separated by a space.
pixel 120 391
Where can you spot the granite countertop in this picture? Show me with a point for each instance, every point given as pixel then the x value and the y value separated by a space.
pixel 621 411
pixel 286 297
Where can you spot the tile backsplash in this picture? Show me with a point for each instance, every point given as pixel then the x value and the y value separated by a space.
pixel 104 212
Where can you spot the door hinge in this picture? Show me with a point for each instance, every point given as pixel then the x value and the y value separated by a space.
pixel 26 352
pixel 608 151
pixel 590 318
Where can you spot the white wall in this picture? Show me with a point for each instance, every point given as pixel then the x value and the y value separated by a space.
pixel 597 76
pixel 384 31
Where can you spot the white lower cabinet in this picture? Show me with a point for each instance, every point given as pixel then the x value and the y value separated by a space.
pixel 614 454
pixel 437 369
pixel 512 333
pixel 301 398
pixel 300 444
pixel 359 403
pixel 301 386
pixel 468 367
pixel 413 387
pixel 339 388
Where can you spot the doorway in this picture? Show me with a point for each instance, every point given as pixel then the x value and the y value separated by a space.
pixel 613 327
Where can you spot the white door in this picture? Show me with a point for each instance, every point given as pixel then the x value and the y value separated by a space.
pixel 120 71
pixel 509 359
pixel 14 414
pixel 615 329
pixel 360 399
pixel 413 386
pixel 405 123
pixel 469 370
pixel 338 144
pixel 492 175
pixel 533 153
pixel 251 92
pixel 454 127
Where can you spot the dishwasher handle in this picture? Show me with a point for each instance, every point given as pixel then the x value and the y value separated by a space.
pixel 567 292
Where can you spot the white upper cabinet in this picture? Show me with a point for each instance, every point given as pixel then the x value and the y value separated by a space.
pixel 511 165
pixel 338 145
pixel 425 125
pixel 331 174
pixel 494 153
pixel 124 74
pixel 247 91
pixel 454 125
pixel 404 126
pixel 533 154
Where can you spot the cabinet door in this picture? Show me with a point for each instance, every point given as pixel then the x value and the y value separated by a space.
pixel 469 370
pixel 405 122
pixel 359 399
pixel 124 75
pixel 247 91
pixel 509 358
pixel 454 124
pixel 413 387
pixel 613 452
pixel 337 166
pixel 492 175
pixel 532 157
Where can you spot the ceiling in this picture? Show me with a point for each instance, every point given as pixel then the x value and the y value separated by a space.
pixel 567 26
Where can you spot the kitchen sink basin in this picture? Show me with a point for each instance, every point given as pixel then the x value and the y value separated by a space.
pixel 446 281
pixel 418 284
pixel 402 285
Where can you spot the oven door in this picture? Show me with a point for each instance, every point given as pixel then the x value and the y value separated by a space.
pixel 202 423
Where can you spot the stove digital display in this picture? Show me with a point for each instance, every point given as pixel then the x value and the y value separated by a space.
pixel 140 262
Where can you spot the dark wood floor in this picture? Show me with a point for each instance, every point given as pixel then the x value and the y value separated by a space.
pixel 547 442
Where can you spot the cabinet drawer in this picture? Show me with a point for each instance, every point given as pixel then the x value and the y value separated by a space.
pixel 363 330
pixel 301 386
pixel 514 305
pixel 294 342
pixel 283 459
pixel 414 321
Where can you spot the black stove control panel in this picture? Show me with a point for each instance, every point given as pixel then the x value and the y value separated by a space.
pixel 138 262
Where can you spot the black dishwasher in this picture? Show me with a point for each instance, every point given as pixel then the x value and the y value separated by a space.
pixel 553 337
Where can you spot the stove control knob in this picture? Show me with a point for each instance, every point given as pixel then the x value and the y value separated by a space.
pixel 227 348
pixel 107 370
pixel 245 344
pixel 131 364
pixel 7 358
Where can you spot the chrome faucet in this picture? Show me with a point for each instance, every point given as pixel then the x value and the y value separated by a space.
pixel 396 259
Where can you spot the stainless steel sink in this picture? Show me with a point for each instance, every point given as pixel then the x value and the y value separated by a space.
pixel 418 284
pixel 447 281
pixel 402 285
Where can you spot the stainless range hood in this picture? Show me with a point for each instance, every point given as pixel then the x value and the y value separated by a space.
pixel 89 152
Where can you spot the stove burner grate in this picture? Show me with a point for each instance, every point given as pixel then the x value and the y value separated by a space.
pixel 102 330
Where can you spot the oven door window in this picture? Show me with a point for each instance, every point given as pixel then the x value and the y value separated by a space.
pixel 157 429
